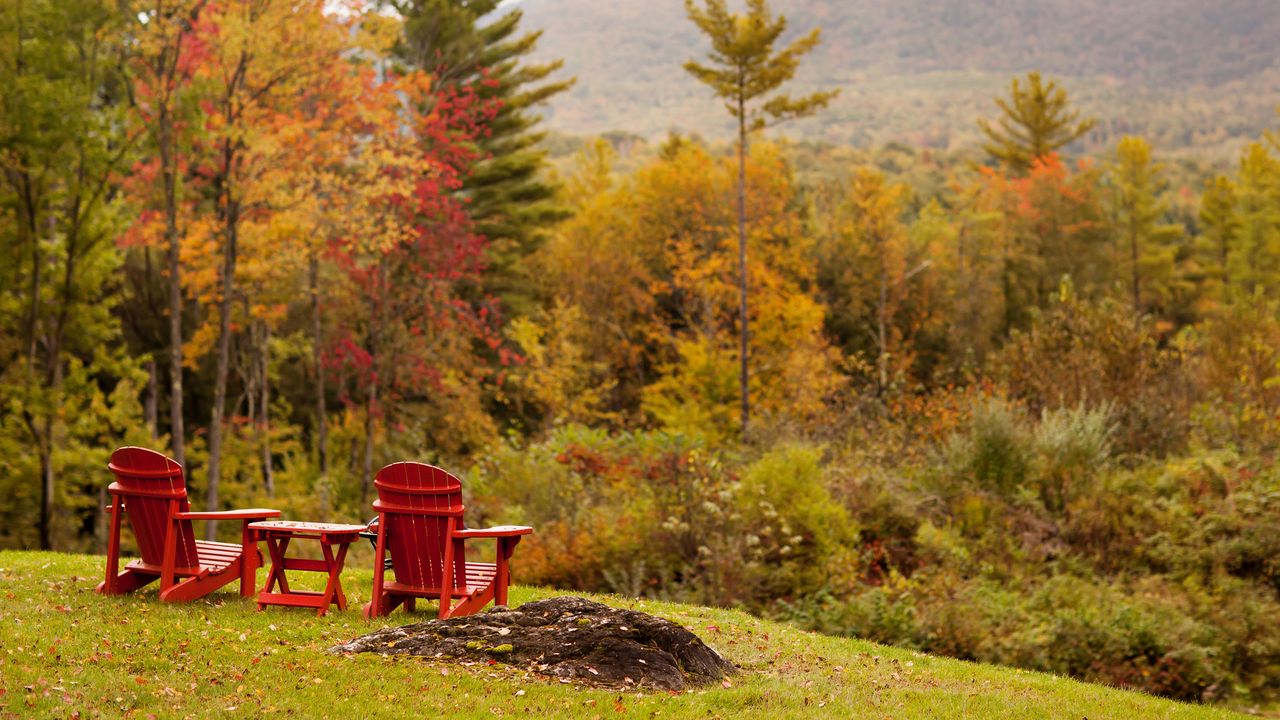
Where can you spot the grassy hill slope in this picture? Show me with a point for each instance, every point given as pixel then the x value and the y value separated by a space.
pixel 67 649
pixel 1194 75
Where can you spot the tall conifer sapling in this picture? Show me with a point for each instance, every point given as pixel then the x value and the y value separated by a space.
pixel 1034 122
pixel 744 69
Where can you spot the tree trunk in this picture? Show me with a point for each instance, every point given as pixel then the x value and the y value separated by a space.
pixel 371 397
pixel 52 385
pixel 100 527
pixel 366 475
pixel 742 255
pixel 1223 252
pixel 1133 258
pixel 47 442
pixel 177 433
pixel 37 290
pixel 882 321
pixel 317 355
pixel 149 406
pixel 46 483
pixel 264 366
pixel 1006 274
pixel 231 228
pixel 230 209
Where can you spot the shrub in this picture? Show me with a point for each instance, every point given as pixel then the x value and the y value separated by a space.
pixel 1079 354
pixel 660 515
pixel 1072 447
pixel 798 536
pixel 995 452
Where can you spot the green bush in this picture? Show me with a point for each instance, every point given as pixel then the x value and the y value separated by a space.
pixel 995 452
pixel 798 536
pixel 660 515
pixel 1072 447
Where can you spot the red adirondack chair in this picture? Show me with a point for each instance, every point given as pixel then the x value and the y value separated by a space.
pixel 150 489
pixel 420 523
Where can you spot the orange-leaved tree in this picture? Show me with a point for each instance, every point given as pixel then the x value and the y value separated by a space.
pixel 412 342
pixel 266 60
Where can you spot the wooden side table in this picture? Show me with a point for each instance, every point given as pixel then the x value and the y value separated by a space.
pixel 277 534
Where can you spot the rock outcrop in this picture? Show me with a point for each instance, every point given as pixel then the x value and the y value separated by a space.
pixel 563 637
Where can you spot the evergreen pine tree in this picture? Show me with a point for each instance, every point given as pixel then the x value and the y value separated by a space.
pixel 1220 231
pixel 1255 264
pixel 1149 245
pixel 510 201
pixel 744 69
pixel 1035 121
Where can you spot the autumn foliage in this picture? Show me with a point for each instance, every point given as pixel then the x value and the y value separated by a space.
pixel 1020 412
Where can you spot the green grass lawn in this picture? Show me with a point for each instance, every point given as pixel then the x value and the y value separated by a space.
pixel 66 651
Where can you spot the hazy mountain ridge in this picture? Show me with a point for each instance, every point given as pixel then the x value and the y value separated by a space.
pixel 1193 75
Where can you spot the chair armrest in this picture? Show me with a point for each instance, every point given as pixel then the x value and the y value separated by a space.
pixel 249 514
pixel 499 531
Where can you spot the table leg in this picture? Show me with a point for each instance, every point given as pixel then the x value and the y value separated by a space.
pixel 333 590
pixel 275 564
pixel 281 577
pixel 275 568
pixel 337 573
pixel 276 547
pixel 277 591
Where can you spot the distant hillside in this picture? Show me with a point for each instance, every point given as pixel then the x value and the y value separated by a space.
pixel 1193 75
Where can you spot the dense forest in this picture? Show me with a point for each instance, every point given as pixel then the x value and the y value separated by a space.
pixel 1016 400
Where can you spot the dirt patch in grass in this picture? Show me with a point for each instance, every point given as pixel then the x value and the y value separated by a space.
pixel 570 638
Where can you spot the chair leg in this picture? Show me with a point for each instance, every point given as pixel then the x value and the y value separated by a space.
pixel 506 546
pixel 193 588
pixel 127 582
pixel 169 559
pixel 472 604
pixel 250 561
pixel 382 604
pixel 375 606
pixel 110 585
pixel 447 573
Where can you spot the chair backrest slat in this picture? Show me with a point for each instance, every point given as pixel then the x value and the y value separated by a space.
pixel 150 486
pixel 418 501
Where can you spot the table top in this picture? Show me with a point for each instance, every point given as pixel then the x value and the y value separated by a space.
pixel 296 527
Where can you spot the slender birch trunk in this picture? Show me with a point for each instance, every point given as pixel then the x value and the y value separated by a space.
pixel 742 254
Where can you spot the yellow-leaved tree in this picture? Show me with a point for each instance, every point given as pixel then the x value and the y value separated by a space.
pixel 651 263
